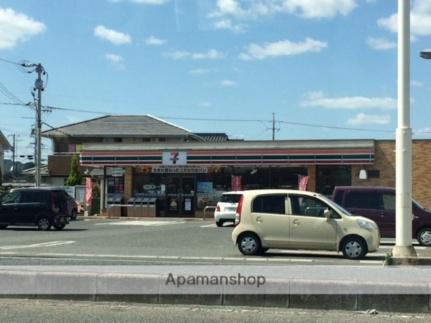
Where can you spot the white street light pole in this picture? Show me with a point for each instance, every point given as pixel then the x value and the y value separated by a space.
pixel 403 239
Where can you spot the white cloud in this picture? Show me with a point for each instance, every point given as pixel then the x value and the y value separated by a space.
pixel 381 43
pixel 228 83
pixel 145 2
pixel 281 48
pixel 420 19
pixel 415 83
pixel 199 71
pixel 204 104
pixel 426 130
pixel 320 8
pixel 318 99
pixel 227 24
pixel 211 54
pixel 113 58
pixel 113 36
pixel 369 119
pixel 302 8
pixel 154 41
pixel 16 28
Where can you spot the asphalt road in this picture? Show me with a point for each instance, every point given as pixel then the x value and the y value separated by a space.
pixel 91 241
pixel 35 311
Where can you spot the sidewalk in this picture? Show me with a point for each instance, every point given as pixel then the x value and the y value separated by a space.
pixel 318 287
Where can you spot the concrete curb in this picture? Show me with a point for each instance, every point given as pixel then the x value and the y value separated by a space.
pixel 152 289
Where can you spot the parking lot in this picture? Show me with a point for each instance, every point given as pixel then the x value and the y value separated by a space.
pixel 98 241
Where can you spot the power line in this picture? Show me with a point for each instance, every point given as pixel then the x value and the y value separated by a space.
pixel 10 62
pixel 311 125
pixel 9 94
pixel 333 127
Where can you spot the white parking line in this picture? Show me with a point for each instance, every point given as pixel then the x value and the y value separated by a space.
pixel 209 226
pixel 37 245
pixel 142 223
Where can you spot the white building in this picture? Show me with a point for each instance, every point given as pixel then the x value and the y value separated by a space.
pixel 4 145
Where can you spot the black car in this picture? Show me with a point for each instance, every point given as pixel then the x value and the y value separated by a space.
pixel 42 207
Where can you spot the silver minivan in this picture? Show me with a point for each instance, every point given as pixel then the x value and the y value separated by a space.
pixel 291 219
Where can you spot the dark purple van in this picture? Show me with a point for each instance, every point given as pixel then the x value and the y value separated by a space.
pixel 378 204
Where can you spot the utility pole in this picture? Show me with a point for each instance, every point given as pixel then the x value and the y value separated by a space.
pixel 274 129
pixel 38 86
pixel 13 155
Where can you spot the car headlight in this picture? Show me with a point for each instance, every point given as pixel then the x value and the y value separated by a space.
pixel 367 225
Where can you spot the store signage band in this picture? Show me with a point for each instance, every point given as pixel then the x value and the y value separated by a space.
pixel 179 170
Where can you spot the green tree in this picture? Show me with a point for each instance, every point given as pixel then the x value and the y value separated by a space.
pixel 75 176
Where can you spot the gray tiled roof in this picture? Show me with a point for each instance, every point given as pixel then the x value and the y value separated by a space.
pixel 213 137
pixel 119 126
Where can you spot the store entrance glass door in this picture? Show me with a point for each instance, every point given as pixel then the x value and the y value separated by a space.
pixel 180 196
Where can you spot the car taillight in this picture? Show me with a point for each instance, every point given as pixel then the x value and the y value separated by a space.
pixel 238 210
pixel 218 208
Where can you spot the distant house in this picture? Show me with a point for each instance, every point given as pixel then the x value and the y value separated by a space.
pixel 4 145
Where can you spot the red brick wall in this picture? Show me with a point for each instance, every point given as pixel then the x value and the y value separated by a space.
pixel 385 163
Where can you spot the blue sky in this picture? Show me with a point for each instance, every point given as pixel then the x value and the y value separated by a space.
pixel 318 62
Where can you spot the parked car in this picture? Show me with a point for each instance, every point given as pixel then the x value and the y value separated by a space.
pixel 378 204
pixel 226 208
pixel 42 207
pixel 291 219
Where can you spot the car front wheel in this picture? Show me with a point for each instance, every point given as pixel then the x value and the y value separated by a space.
pixel 354 248
pixel 249 244
pixel 424 237
pixel 43 224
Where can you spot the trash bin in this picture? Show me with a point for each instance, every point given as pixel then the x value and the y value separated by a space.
pixel 114 211
pixel 151 207
pixel 131 207
pixel 140 206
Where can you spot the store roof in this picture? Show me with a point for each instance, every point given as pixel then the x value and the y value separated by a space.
pixel 120 126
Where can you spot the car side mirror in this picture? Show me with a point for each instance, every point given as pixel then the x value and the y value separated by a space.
pixel 328 214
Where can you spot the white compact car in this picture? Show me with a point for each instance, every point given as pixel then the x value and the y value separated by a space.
pixel 226 208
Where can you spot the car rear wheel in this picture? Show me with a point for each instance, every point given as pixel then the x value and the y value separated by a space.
pixel 43 223
pixel 249 244
pixel 354 248
pixel 424 237
pixel 219 223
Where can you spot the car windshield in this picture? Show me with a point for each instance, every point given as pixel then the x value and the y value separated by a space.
pixel 417 204
pixel 335 206
pixel 230 198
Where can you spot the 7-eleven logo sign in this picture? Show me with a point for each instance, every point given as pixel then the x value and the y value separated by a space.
pixel 175 158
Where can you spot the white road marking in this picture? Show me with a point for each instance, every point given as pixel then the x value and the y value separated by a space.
pixel 142 223
pixel 37 245
pixel 209 226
